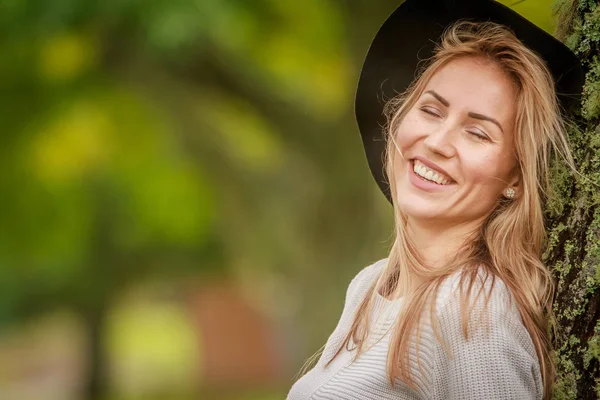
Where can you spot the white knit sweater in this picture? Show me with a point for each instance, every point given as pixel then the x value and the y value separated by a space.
pixel 500 364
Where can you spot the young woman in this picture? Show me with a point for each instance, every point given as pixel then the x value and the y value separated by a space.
pixel 460 309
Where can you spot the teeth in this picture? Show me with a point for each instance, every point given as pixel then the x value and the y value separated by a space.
pixel 429 174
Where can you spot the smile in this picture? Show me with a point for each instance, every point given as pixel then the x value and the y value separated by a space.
pixel 430 174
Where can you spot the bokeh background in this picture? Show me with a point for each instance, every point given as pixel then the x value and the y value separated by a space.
pixel 184 193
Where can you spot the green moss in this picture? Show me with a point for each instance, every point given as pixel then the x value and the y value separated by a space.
pixel 592 249
pixel 574 340
pixel 560 188
pixel 591 89
pixel 573 40
pixel 591 283
pixel 569 249
pixel 566 380
pixel 558 268
pixel 578 26
pixel 553 241
pixel 584 38
pixel 594 139
pixel 586 5
pixel 593 351
pixel 590 31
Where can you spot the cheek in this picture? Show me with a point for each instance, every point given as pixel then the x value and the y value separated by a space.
pixel 408 131
pixel 485 170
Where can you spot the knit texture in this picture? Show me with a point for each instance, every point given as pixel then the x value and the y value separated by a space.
pixel 497 362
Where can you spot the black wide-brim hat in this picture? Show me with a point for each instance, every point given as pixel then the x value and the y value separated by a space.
pixel 410 33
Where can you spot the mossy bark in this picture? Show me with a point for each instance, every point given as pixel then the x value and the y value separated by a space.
pixel 573 253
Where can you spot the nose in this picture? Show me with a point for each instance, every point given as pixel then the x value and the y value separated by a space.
pixel 441 140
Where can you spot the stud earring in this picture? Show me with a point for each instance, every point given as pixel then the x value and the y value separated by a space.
pixel 509 192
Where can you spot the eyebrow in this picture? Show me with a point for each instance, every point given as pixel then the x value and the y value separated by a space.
pixel 446 103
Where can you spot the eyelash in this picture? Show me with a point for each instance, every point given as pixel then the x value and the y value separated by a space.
pixel 478 136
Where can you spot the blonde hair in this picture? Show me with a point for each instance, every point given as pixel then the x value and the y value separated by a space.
pixel 509 244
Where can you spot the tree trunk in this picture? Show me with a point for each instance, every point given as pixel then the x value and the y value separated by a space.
pixel 96 387
pixel 574 248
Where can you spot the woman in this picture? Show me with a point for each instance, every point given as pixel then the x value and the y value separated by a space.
pixel 460 309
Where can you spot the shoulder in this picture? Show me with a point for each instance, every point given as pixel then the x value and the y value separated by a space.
pixel 486 291
pixel 368 274
pixel 481 301
pixel 365 277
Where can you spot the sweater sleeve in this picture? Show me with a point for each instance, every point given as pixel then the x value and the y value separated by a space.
pixel 499 363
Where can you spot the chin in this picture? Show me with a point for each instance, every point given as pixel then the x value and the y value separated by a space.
pixel 418 210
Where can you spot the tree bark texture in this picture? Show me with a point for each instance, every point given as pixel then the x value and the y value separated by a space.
pixel 573 252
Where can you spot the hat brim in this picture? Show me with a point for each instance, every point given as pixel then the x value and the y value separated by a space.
pixel 409 34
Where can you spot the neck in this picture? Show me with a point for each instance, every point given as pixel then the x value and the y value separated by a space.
pixel 437 243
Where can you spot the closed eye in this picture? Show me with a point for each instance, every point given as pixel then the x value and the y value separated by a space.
pixel 479 136
pixel 427 110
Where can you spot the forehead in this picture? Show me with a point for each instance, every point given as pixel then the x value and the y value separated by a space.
pixel 476 85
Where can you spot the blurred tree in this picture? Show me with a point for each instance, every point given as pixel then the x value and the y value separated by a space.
pixel 144 139
pixel 97 192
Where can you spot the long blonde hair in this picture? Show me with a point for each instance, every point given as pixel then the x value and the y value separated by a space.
pixel 510 241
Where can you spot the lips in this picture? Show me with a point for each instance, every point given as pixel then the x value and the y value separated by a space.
pixel 433 166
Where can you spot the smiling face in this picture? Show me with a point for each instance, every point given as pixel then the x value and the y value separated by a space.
pixel 459 133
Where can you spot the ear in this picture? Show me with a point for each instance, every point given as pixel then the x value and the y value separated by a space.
pixel 514 180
